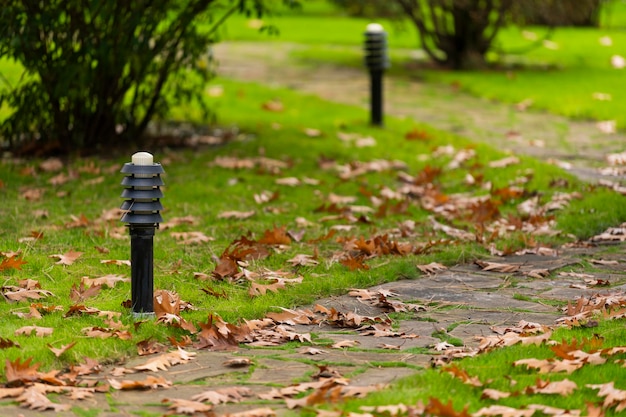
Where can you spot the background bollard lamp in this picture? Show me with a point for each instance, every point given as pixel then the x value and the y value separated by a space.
pixel 142 213
pixel 376 60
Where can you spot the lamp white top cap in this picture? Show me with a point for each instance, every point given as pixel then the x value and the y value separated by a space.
pixel 374 28
pixel 142 158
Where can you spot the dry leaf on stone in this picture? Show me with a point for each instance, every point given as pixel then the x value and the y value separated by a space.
pixel 441 346
pixel 345 344
pixel 497 266
pixel 603 262
pixel 180 406
pixel 389 347
pixel 151 382
pixel 308 350
pixel 166 360
pixel 538 273
pixel 34 398
pixel 223 395
pixel 237 363
pixel 432 268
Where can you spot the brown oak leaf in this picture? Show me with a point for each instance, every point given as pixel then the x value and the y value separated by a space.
pixel 67 258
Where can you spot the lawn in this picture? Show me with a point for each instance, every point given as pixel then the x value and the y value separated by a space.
pixel 571 74
pixel 321 201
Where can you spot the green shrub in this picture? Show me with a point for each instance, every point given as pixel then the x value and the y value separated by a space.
pixel 98 72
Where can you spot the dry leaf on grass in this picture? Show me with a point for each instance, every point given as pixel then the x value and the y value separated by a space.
pixel 502 411
pixel 564 387
pixel 12 262
pixel 119 262
pixel 67 258
pixel 21 294
pixel 493 394
pixel 255 412
pixel 39 331
pixel 59 351
pixel 107 280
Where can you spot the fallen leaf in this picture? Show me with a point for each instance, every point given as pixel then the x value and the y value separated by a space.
pixel 303 260
pixel 18 371
pixel 432 268
pixel 34 398
pixel 80 292
pixel 564 387
pixel 308 350
pixel 237 363
pixel 191 238
pixel 12 262
pixel 502 410
pixel 151 382
pixel 7 343
pixel 240 215
pixel 188 407
pixel 116 262
pixel 59 351
pixel 273 106
pixel 107 280
pixel 255 412
pixel 22 294
pixel 39 331
pixel 497 266
pixel 345 344
pixel 389 347
pixel 166 360
pixel 67 258
pixel 493 394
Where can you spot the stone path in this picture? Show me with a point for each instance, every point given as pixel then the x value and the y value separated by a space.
pixel 579 143
pixel 462 302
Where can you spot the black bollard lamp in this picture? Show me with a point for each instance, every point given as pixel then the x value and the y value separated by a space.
pixel 142 213
pixel 376 61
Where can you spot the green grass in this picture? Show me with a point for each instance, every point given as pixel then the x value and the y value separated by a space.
pixel 195 187
pixel 495 370
pixel 561 81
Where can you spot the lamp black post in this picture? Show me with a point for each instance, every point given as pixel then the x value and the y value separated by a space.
pixel 142 213
pixel 376 60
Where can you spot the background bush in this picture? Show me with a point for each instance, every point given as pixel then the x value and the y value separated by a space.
pixel 97 72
